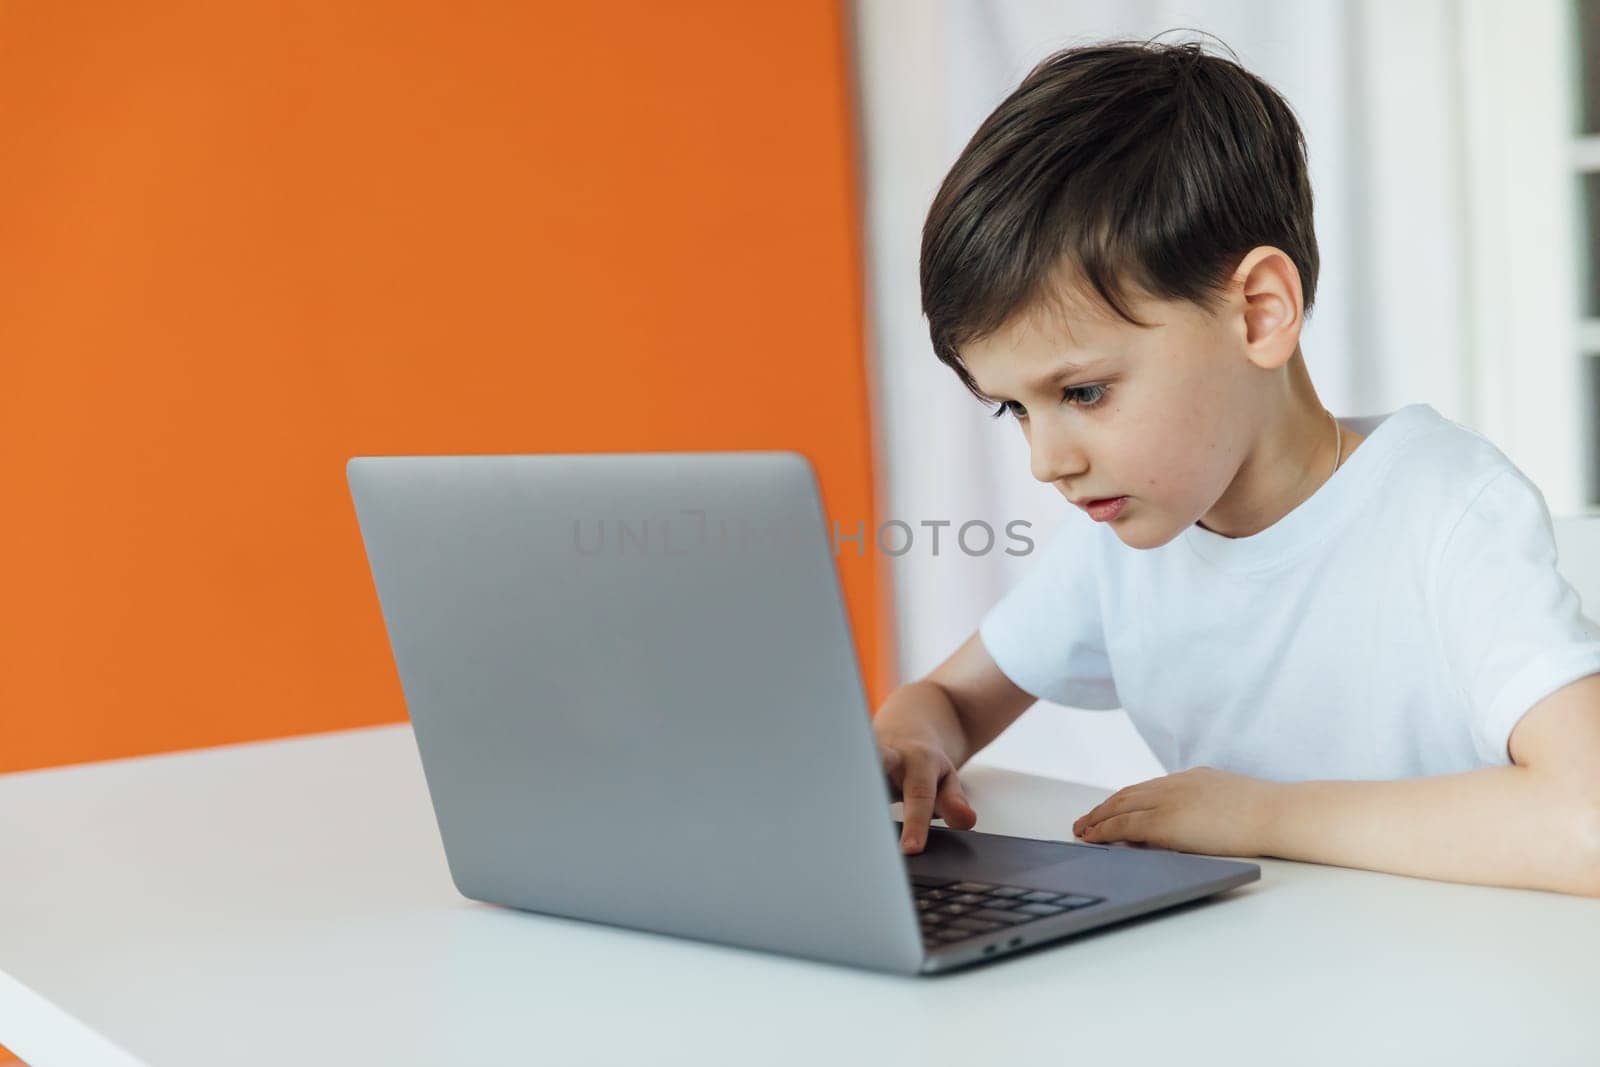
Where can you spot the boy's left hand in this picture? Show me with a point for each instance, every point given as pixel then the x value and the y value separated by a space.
pixel 1199 810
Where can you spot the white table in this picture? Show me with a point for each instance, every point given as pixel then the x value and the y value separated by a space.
pixel 287 903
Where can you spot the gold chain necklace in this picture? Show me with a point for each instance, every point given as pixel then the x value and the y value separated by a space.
pixel 1338 446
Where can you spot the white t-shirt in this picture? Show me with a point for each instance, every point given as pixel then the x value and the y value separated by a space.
pixel 1398 623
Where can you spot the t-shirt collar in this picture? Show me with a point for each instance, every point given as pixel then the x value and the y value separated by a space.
pixel 1326 509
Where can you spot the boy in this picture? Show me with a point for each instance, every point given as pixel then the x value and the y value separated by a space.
pixel 1348 639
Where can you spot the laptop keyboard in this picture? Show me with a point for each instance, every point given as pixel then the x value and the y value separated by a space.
pixel 953 910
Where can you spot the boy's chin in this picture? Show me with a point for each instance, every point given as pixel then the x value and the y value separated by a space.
pixel 1135 533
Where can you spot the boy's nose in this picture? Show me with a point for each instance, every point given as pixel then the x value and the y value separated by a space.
pixel 1053 456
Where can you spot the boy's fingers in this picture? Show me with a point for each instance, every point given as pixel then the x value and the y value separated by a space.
pixel 891 758
pixel 918 792
pixel 953 805
pixel 893 769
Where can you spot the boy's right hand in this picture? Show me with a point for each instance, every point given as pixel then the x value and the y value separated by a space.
pixel 923 778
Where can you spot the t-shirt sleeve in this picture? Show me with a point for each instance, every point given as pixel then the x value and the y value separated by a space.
pixel 1511 626
pixel 1045 633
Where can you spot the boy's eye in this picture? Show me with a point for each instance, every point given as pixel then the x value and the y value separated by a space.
pixel 1084 396
pixel 1012 408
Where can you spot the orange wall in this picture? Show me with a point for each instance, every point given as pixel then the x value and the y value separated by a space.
pixel 245 241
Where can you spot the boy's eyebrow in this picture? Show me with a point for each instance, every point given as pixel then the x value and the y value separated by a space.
pixel 1062 370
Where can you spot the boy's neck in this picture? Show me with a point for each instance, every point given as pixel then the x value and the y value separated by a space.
pixel 1291 458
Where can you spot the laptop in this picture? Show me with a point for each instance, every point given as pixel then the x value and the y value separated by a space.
pixel 636 702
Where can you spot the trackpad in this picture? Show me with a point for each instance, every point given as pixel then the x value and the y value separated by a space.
pixel 977 856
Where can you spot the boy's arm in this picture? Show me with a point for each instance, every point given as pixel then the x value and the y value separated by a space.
pixel 1533 825
pixel 967 700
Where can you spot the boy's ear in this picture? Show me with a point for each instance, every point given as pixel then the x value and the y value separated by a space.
pixel 1270 285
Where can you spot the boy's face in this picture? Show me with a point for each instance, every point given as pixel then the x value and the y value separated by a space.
pixel 1163 416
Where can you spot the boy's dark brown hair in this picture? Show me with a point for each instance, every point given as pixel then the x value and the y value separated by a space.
pixel 1119 163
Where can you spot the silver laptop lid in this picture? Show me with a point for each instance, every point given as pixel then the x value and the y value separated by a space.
pixel 635 696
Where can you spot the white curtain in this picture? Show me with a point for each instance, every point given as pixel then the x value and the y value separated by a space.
pixel 1379 89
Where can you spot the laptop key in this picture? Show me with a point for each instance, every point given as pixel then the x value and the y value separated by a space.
pixel 1004 918
pixel 972 887
pixel 955 909
pixel 1007 891
pixel 1041 909
pixel 968 898
pixel 930 881
pixel 936 894
pixel 1077 902
pixel 948 934
pixel 1040 897
pixel 1000 902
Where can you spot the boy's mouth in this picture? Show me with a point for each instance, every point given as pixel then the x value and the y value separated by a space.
pixel 1103 509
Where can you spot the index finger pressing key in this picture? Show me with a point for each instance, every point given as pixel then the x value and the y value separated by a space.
pixel 918 792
